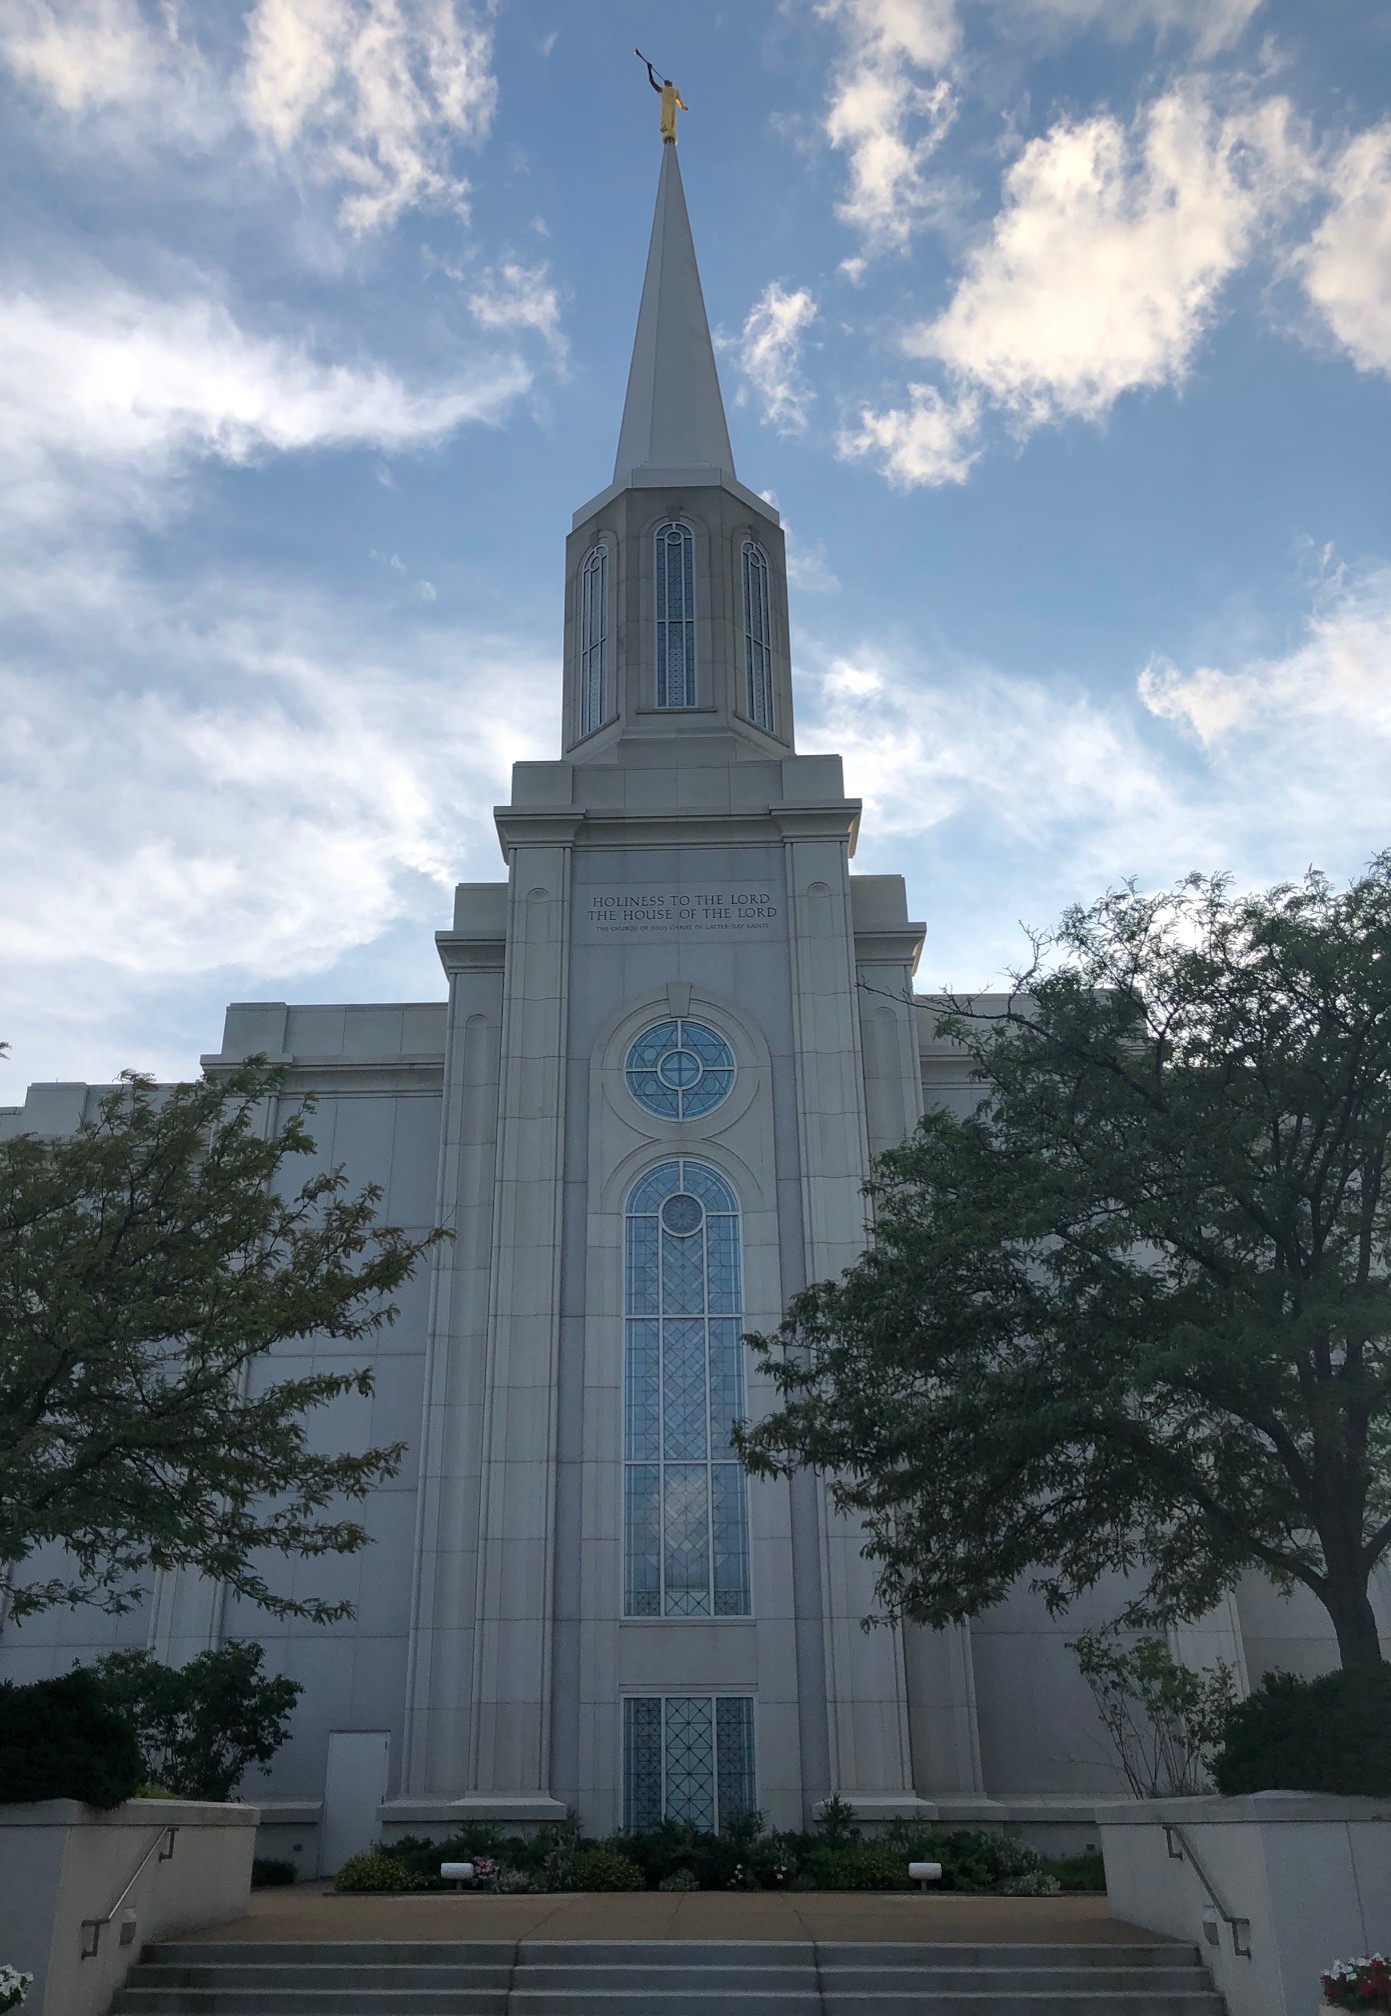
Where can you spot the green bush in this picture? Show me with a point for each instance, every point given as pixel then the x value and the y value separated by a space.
pixel 602 1869
pixel 680 1879
pixel 1033 1883
pixel 60 1739
pixel 267 1873
pixel 859 1865
pixel 1332 1734
pixel 378 1869
pixel 1086 1871
pixel 201 1726
pixel 972 1859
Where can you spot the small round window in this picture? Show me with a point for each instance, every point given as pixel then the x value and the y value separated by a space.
pixel 680 1070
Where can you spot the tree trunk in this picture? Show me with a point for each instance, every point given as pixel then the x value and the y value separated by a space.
pixel 1349 1606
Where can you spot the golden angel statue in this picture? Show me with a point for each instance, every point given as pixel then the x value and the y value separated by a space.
pixel 671 98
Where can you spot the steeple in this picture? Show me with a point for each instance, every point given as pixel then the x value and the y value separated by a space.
pixel 673 417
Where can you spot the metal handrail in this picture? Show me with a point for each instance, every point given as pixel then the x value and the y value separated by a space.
pixel 164 1841
pixel 1185 1847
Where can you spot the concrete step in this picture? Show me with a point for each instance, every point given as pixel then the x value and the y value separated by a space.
pixel 541 1977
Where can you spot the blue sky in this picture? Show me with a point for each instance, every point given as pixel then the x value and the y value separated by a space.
pixel 1060 331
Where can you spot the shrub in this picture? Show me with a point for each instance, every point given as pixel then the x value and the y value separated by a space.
pixel 60 1739
pixel 1033 1883
pixel 679 1879
pixel 972 1859
pixel 513 1882
pixel 201 1726
pixel 14 1986
pixel 1332 1734
pixel 267 1873
pixel 858 1866
pixel 378 1869
pixel 1086 1871
pixel 602 1869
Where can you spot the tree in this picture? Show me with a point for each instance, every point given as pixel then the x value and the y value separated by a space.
pixel 149 1264
pixel 1132 1313
pixel 1164 1719
pixel 201 1726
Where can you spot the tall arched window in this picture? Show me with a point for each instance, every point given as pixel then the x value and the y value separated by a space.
pixel 674 551
pixel 685 1514
pixel 758 636
pixel 594 640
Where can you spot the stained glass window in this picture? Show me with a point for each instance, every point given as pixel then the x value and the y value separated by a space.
pixel 674 551
pixel 685 1510
pixel 680 1070
pixel 687 1757
pixel 758 636
pixel 594 639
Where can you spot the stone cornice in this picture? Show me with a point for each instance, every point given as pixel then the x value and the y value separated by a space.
pixel 461 953
pixel 836 819
pixel 901 946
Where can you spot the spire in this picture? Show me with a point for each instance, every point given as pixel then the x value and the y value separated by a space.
pixel 673 417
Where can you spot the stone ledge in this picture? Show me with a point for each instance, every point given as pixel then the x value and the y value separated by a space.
pixel 1246 1809
pixel 133 1813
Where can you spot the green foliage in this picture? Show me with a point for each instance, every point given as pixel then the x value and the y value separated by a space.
pixel 1133 1313
pixel 61 1739
pixel 972 1859
pixel 679 1880
pixel 857 1865
pixel 1033 1883
pixel 835 1822
pixel 1086 1871
pixel 1164 1719
pixel 147 1263
pixel 268 1872
pixel 1332 1734
pixel 201 1726
pixel 378 1869
pixel 602 1869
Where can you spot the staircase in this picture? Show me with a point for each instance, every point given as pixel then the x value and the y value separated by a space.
pixel 543 1977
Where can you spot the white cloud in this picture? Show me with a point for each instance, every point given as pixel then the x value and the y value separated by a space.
pixel 1214 25
pixel 1110 251
pixel 144 386
pixel 768 351
pixel 926 441
pixel 372 94
pixel 513 296
pixel 1309 732
pixel 241 778
pixel 1023 794
pixel 367 98
pixel 885 119
pixel 1346 266
pixel 87 55
pixel 1103 270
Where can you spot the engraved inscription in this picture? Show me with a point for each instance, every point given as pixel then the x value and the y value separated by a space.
pixel 694 911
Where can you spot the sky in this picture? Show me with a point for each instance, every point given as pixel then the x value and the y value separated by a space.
pixel 1059 331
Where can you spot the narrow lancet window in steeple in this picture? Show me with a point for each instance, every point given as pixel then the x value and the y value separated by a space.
pixel 594 640
pixel 674 551
pixel 758 636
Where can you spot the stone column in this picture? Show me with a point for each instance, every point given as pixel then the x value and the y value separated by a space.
pixel 440 1670
pixel 867 1713
pixel 941 1685
pixel 510 1746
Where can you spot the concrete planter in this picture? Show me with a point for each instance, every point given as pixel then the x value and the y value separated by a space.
pixel 1273 1886
pixel 70 1913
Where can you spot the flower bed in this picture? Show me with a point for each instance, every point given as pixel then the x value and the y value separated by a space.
pixel 746 1856
pixel 1359 1984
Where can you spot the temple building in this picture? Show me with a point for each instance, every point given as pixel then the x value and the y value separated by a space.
pixel 674 1037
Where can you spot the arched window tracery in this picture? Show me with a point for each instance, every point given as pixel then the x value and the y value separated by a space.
pixel 685 1510
pixel 674 577
pixel 758 637
pixel 594 640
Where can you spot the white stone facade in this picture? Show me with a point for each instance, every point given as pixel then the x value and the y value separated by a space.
pixel 679 862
